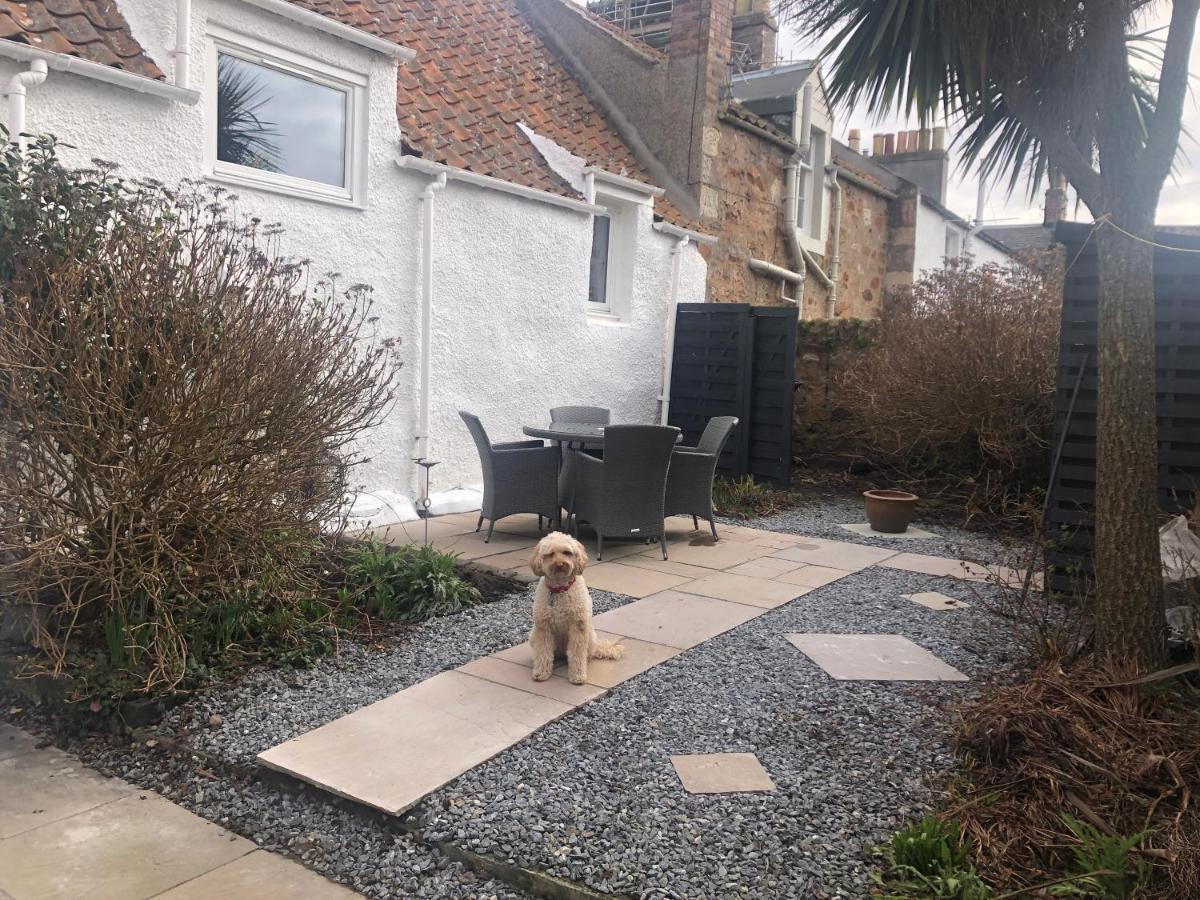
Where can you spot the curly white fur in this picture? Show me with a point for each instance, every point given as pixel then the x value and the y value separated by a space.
pixel 562 622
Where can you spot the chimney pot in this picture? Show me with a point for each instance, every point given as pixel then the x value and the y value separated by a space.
pixel 855 140
pixel 889 144
pixel 877 145
pixel 939 138
pixel 926 139
pixel 914 140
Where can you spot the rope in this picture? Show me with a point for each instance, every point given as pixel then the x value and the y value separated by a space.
pixel 1106 219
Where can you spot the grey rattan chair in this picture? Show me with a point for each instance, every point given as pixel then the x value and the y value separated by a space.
pixel 690 480
pixel 588 415
pixel 518 477
pixel 623 494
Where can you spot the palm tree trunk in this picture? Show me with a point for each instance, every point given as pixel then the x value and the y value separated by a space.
pixel 1130 619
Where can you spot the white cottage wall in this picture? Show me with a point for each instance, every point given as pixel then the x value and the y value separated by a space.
pixel 512 336
pixel 931 243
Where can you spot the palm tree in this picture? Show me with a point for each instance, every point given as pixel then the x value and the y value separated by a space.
pixel 1069 85
pixel 242 136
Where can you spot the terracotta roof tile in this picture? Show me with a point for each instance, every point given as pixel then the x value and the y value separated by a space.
pixel 93 30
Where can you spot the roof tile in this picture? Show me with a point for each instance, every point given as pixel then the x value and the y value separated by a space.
pixel 93 30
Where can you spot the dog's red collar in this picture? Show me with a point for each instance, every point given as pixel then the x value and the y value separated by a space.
pixel 560 590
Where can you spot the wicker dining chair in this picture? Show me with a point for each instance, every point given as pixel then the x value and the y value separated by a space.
pixel 623 494
pixel 518 477
pixel 690 479
pixel 584 415
pixel 587 415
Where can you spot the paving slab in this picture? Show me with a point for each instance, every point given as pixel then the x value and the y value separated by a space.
pixel 14 741
pixel 514 563
pixel 721 555
pixel 130 849
pixel 676 619
pixel 936 600
pixel 472 546
pixel 260 876
pixel 502 671
pixel 392 753
pixel 911 534
pixel 46 786
pixel 765 567
pixel 873 657
pixel 414 532
pixel 639 656
pixel 632 581
pixel 835 554
pixel 721 773
pixel 937 565
pixel 812 576
pixel 760 592
pixel 658 564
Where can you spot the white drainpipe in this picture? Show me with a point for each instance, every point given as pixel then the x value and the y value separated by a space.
pixel 15 90
pixel 436 184
pixel 835 261
pixel 183 42
pixel 664 397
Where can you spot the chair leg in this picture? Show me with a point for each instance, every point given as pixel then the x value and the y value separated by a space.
pixel 713 524
pixel 599 546
pixel 479 524
pixel 491 527
pixel 539 521
pixel 662 542
pixel 695 524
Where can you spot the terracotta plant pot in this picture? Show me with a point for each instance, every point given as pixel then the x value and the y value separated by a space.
pixel 890 511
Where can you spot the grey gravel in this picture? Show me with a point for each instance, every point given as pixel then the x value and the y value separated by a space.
pixel 823 519
pixel 593 797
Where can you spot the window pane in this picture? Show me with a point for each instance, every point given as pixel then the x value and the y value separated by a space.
pixel 598 280
pixel 277 122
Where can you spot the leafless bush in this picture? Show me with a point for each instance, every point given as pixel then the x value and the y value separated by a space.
pixel 179 404
pixel 960 379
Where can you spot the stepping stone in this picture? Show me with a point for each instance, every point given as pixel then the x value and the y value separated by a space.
pixel 721 555
pixel 937 565
pixel 14 741
pixel 676 619
pixel 138 846
pixel 812 576
pixel 639 656
pixel 912 534
pixel 47 786
pixel 721 773
pixel 260 876
pixel 760 592
pixel 835 554
pixel 873 657
pixel 501 671
pixel 934 600
pixel 632 581
pixel 391 754
pixel 764 567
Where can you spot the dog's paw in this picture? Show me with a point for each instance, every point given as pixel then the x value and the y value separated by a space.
pixel 541 676
pixel 577 679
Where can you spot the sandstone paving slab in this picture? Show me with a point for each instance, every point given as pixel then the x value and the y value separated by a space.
pixel 676 619
pixel 132 848
pixel 835 554
pixel 46 786
pixel 472 546
pixel 658 564
pixel 404 533
pixel 14 741
pixel 812 576
pixel 765 567
pixel 721 773
pixel 632 581
pixel 760 592
pixel 937 565
pixel 260 876
pixel 721 555
pixel 873 657
pixel 910 534
pixel 639 656
pixel 514 563
pixel 936 600
pixel 392 753
pixel 502 671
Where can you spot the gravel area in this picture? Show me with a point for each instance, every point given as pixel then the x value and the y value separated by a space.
pixel 823 519
pixel 594 798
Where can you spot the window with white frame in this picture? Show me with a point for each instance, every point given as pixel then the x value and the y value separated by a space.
pixel 598 271
pixel 285 123
pixel 613 253
pixel 954 244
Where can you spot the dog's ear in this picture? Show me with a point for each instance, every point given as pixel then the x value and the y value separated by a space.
pixel 535 561
pixel 581 557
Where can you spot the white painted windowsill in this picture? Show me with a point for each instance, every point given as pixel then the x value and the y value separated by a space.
pixel 605 318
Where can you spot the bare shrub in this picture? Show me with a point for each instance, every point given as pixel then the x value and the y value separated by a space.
pixel 960 379
pixel 179 407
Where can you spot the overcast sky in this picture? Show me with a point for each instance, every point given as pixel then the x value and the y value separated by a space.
pixel 1180 203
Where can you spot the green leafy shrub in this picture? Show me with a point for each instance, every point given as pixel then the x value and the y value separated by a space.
pixel 930 859
pixel 181 403
pixel 1106 864
pixel 409 583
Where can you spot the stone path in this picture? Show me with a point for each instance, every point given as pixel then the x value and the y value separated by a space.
pixel 67 831
pixel 391 754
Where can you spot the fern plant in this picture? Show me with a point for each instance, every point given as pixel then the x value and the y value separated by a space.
pixel 409 584
pixel 930 858
pixel 1107 864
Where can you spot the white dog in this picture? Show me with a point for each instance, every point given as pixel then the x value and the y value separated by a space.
pixel 562 611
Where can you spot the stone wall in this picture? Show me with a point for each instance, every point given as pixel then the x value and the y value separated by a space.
pixel 864 253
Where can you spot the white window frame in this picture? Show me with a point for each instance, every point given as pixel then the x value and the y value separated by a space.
pixel 812 224
pixel 353 192
pixel 623 206
pixel 959 239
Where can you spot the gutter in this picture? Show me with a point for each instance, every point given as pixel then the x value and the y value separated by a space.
pixel 426 167
pixel 15 91
pixel 287 10
pixel 696 237
pixel 60 62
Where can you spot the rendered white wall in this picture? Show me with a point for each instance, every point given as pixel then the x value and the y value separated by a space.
pixel 931 243
pixel 512 337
